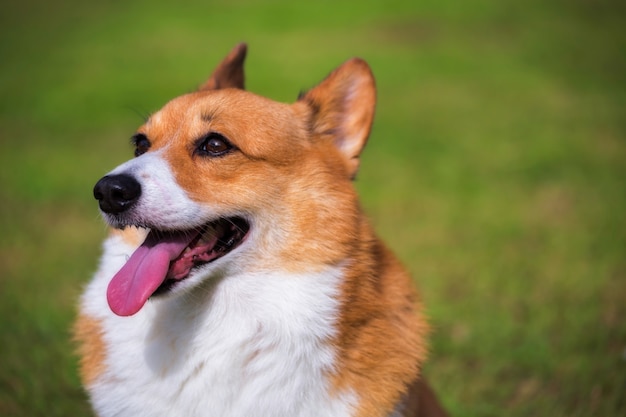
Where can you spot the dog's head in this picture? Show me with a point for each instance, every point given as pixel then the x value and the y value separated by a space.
pixel 226 181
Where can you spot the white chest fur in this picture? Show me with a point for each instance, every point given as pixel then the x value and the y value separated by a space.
pixel 252 345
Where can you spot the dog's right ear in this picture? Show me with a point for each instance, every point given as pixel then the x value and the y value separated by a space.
pixel 229 73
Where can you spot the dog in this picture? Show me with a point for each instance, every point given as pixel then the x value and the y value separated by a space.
pixel 241 277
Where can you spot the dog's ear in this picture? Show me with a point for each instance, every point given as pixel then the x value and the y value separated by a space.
pixel 342 108
pixel 229 73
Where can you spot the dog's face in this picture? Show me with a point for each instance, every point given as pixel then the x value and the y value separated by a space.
pixel 228 181
pixel 207 155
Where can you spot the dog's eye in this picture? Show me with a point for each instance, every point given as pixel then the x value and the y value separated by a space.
pixel 214 144
pixel 141 143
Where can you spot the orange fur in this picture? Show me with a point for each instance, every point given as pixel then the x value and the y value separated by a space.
pixel 294 167
pixel 91 348
pixel 132 236
pixel 382 332
pixel 257 177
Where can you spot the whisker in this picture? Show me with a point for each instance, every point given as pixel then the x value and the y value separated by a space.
pixel 143 114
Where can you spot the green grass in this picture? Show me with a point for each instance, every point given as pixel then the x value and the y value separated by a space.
pixel 496 170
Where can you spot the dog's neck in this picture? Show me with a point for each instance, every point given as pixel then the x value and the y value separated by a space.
pixel 271 338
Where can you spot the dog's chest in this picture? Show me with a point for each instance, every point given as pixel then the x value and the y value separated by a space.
pixel 252 346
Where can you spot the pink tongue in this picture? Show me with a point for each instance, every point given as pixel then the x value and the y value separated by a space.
pixel 144 272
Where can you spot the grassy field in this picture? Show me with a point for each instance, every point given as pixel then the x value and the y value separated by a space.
pixel 496 170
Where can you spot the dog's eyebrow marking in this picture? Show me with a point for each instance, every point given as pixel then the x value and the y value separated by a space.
pixel 208 116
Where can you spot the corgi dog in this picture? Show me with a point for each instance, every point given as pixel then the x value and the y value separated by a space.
pixel 241 277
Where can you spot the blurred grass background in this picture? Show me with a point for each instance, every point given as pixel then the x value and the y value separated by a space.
pixel 496 170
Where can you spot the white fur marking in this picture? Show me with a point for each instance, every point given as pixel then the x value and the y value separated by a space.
pixel 252 344
pixel 162 199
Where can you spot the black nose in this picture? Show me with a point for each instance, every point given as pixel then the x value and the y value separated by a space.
pixel 117 193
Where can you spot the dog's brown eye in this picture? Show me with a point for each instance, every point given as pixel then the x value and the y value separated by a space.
pixel 141 143
pixel 214 145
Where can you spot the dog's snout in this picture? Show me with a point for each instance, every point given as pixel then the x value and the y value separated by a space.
pixel 117 193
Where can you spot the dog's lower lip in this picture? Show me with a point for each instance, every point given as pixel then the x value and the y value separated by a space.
pixel 215 240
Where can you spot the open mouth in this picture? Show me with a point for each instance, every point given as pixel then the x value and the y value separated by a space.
pixel 166 258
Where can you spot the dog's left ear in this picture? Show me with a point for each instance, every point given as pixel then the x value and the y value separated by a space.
pixel 342 108
pixel 229 73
